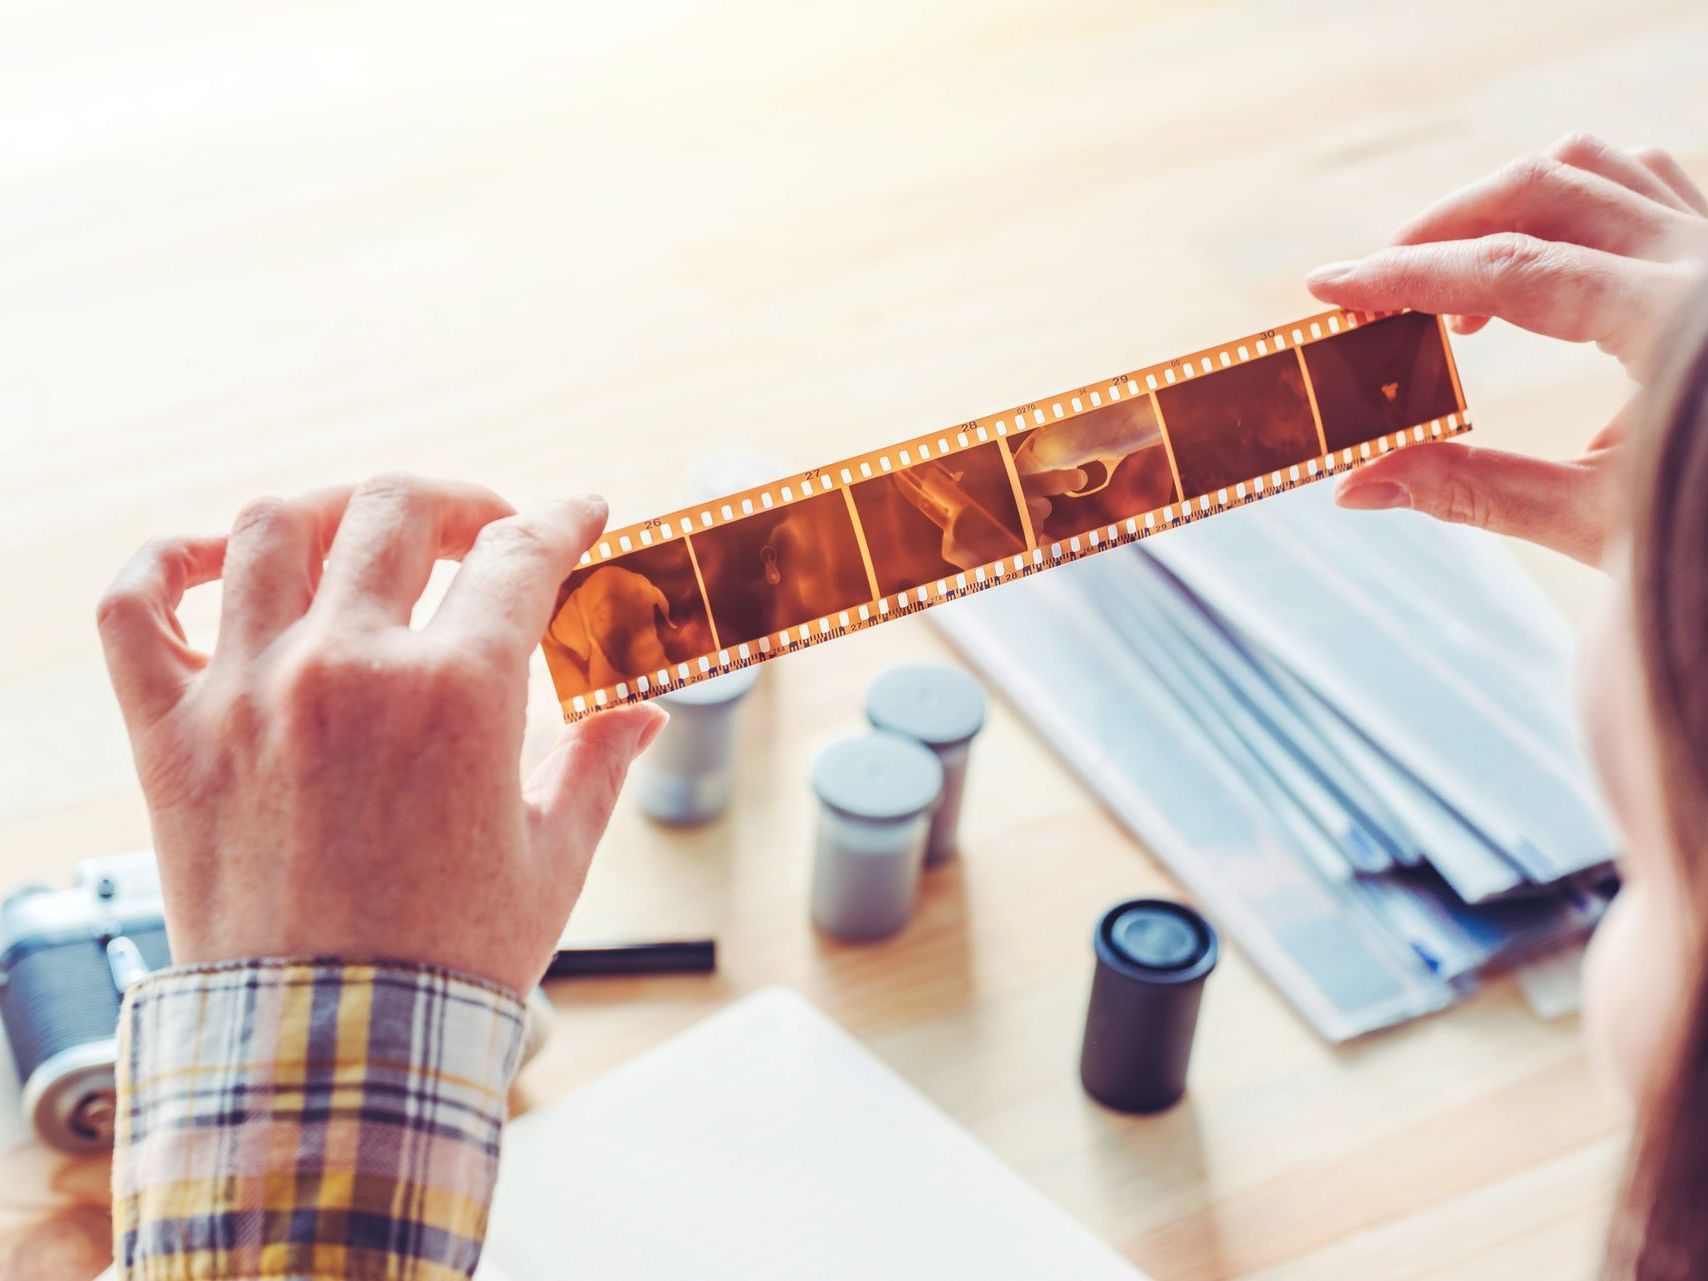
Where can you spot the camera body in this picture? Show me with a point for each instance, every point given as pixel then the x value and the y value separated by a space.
pixel 66 958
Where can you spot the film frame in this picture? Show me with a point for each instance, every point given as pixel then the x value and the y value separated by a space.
pixel 718 586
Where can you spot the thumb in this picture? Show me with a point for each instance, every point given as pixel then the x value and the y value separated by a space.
pixel 1565 506
pixel 571 794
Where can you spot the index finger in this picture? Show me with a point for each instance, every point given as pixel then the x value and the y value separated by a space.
pixel 505 592
pixel 1561 290
pixel 1551 200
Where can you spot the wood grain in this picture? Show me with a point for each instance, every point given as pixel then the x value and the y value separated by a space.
pixel 249 248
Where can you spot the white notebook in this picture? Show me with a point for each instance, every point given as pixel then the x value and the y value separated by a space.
pixel 765 1144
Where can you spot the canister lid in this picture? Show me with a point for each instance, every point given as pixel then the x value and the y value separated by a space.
pixel 878 776
pixel 1156 939
pixel 715 692
pixel 939 706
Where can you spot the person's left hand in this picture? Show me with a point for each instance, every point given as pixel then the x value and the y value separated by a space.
pixel 1586 243
pixel 331 783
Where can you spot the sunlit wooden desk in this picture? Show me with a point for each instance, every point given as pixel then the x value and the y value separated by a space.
pixel 249 248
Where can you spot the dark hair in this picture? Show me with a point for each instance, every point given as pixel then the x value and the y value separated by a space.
pixel 1660 1231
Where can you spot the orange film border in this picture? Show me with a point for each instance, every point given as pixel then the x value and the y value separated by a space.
pixel 719 586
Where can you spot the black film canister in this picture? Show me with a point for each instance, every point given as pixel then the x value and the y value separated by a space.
pixel 1152 959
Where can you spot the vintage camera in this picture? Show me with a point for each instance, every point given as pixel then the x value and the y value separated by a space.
pixel 66 958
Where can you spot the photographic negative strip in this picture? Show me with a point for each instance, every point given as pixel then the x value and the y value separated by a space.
pixel 1094 468
pixel 1248 420
pixel 627 617
pixel 705 590
pixel 1381 378
pixel 939 517
pixel 781 568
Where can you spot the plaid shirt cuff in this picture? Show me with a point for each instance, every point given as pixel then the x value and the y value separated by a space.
pixel 309 1119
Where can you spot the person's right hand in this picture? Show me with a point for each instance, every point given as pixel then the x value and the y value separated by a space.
pixel 333 783
pixel 1586 243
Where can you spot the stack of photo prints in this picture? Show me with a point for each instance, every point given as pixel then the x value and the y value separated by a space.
pixel 1350 734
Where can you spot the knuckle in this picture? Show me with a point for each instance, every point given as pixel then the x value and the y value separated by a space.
pixel 263 516
pixel 118 608
pixel 513 537
pixel 326 670
pixel 1576 146
pixel 1463 504
pixel 242 718
pixel 1531 173
pixel 320 690
pixel 458 679
pixel 493 653
pixel 126 602
pixel 306 671
pixel 1512 256
pixel 399 489
pixel 453 691
pixel 335 691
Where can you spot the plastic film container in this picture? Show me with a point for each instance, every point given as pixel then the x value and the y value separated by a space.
pixel 876 795
pixel 943 709
pixel 687 774
pixel 1152 957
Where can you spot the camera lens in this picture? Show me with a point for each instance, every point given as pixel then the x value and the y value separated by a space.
pixel 93 1116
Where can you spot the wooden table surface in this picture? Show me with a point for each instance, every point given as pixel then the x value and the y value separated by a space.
pixel 249 248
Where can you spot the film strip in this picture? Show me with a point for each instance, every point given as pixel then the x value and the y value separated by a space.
pixel 722 585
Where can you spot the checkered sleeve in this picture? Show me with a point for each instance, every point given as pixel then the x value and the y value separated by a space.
pixel 309 1119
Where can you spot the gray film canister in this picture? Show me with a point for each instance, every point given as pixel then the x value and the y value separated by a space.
pixel 687 773
pixel 1152 959
pixel 942 708
pixel 876 793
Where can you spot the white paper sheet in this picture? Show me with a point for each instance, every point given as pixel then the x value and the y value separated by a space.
pixel 764 1143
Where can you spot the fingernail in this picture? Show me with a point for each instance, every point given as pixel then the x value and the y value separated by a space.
pixel 593 503
pixel 1332 273
pixel 651 730
pixel 1375 495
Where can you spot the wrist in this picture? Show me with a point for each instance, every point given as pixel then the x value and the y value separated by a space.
pixel 299 968
pixel 350 931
